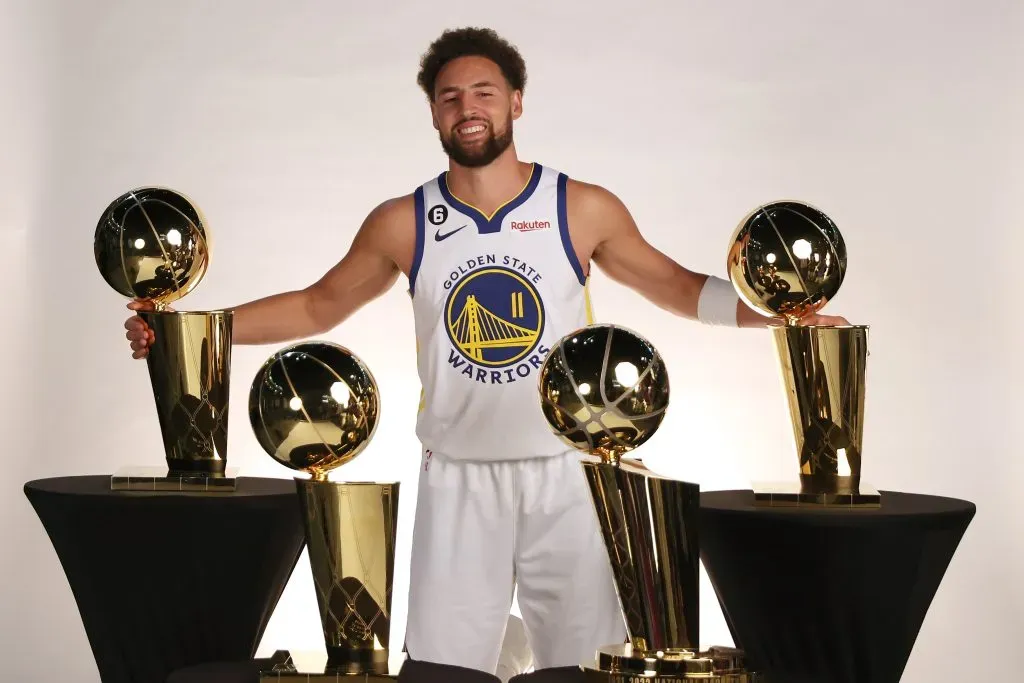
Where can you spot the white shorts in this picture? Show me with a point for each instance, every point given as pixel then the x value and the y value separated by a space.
pixel 483 528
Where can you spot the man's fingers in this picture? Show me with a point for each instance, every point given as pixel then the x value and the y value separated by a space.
pixel 141 305
pixel 818 320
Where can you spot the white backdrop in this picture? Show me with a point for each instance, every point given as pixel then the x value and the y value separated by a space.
pixel 287 122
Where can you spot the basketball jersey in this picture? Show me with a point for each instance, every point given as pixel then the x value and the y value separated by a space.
pixel 491 296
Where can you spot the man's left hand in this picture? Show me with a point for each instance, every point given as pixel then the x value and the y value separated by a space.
pixel 819 320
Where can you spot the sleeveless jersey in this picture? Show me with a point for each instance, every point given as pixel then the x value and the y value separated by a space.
pixel 491 295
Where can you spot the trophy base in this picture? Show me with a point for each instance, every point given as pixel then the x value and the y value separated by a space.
pixel 298 667
pixel 164 480
pixel 623 664
pixel 792 494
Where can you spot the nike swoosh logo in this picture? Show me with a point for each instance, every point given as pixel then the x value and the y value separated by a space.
pixel 439 237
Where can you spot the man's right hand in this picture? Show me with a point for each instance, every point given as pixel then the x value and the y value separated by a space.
pixel 139 333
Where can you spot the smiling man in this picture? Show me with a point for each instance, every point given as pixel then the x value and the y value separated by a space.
pixel 497 253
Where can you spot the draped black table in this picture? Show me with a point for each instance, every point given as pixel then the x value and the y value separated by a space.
pixel 166 580
pixel 828 595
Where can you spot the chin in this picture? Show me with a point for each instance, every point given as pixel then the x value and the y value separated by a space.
pixel 478 154
pixel 474 159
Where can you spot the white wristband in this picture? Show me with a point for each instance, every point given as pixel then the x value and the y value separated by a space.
pixel 718 303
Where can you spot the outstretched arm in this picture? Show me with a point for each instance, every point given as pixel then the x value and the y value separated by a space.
pixel 611 238
pixel 367 271
pixel 380 252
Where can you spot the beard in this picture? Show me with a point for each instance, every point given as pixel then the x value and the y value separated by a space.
pixel 480 154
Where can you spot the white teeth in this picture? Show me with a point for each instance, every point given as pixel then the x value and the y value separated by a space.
pixel 471 130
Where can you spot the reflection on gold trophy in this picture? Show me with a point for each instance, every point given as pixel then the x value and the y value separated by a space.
pixel 604 391
pixel 153 243
pixel 314 406
pixel 788 259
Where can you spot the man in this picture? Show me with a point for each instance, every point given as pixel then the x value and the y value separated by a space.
pixel 497 253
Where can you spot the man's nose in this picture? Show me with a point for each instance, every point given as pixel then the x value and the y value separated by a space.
pixel 468 110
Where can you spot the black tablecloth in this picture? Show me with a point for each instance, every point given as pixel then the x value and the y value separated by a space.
pixel 828 596
pixel 165 580
pixel 218 672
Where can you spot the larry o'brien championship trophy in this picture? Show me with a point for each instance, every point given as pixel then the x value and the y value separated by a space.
pixel 152 243
pixel 788 259
pixel 604 390
pixel 314 406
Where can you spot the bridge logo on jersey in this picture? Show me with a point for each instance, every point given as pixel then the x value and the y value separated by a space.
pixel 495 317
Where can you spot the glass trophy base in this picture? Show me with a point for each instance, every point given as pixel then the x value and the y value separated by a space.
pixel 790 494
pixel 623 664
pixel 295 667
pixel 161 479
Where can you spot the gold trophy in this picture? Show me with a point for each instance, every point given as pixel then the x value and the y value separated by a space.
pixel 604 391
pixel 153 243
pixel 788 259
pixel 314 406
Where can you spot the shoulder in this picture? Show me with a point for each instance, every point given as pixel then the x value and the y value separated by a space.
pixel 390 219
pixel 389 230
pixel 595 206
pixel 396 210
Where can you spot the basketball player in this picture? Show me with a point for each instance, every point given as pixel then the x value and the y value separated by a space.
pixel 497 253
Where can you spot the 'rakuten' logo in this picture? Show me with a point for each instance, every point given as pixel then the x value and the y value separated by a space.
pixel 526 226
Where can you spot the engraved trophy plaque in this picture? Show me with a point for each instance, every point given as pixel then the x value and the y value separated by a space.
pixel 152 243
pixel 788 259
pixel 604 391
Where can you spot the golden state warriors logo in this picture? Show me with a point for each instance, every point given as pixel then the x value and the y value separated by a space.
pixel 494 317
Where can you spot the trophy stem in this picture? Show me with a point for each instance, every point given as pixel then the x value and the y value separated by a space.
pixel 189 369
pixel 823 372
pixel 649 526
pixel 350 532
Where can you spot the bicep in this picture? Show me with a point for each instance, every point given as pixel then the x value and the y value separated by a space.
pixel 364 273
pixel 629 259
pixel 368 270
pixel 622 253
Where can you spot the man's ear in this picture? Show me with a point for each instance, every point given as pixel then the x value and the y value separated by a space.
pixel 517 104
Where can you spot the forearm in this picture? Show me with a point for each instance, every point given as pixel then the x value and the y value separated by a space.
pixel 276 319
pixel 673 289
pixel 748 317
pixel 316 309
pixel 679 291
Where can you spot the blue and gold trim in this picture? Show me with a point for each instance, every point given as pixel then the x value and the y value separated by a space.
pixel 417 257
pixel 588 304
pixel 490 224
pixel 563 229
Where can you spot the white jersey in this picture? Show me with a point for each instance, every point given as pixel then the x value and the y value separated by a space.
pixel 491 296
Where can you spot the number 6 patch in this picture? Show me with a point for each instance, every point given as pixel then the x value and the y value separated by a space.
pixel 438 214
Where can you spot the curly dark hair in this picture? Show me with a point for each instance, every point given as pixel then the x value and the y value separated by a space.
pixel 471 41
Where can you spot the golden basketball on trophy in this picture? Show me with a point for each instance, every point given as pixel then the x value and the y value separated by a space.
pixel 152 243
pixel 313 407
pixel 788 259
pixel 604 390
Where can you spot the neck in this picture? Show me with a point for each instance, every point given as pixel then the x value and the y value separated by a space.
pixel 488 187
